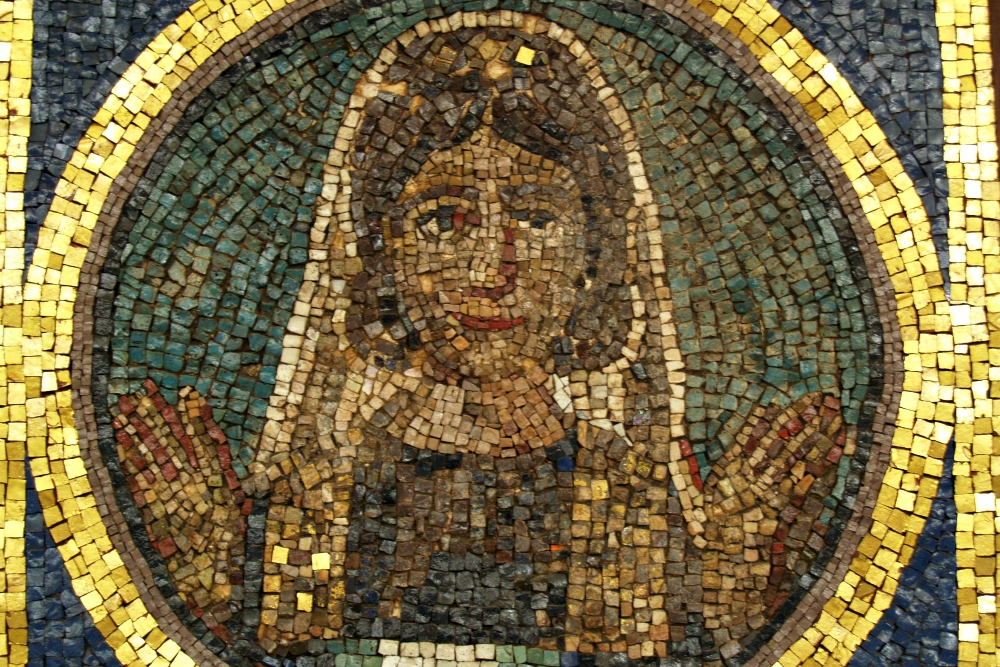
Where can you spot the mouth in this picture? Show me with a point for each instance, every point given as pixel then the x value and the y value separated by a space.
pixel 489 323
pixel 494 294
pixel 507 269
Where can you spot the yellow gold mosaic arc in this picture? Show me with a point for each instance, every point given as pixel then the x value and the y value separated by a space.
pixel 970 153
pixel 40 416
pixel 15 126
pixel 926 417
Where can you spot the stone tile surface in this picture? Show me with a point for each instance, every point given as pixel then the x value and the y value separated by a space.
pixel 81 48
pixel 890 52
pixel 60 630
pixel 546 338
pixel 770 399
pixel 921 626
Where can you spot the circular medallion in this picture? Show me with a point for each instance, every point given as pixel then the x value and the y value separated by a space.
pixel 504 338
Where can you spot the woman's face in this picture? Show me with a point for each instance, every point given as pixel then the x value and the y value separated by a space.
pixel 491 246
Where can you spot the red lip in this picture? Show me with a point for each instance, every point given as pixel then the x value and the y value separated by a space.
pixel 496 293
pixel 508 269
pixel 489 323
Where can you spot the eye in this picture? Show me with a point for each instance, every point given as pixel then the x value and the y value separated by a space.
pixel 541 220
pixel 427 223
pixel 446 219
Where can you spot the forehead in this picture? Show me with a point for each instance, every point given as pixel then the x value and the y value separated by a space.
pixel 476 157
pixel 484 161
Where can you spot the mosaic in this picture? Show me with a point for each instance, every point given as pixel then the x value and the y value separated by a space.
pixel 557 348
pixel 498 333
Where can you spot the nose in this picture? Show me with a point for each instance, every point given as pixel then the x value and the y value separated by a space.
pixel 504 284
pixel 507 268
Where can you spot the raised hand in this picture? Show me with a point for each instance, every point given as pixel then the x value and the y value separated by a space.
pixel 178 466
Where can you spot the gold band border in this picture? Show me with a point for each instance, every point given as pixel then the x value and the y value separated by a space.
pixel 40 419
